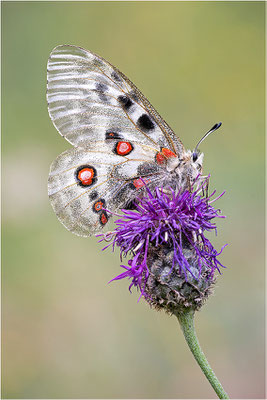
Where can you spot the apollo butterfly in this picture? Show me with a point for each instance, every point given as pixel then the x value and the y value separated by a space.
pixel 121 144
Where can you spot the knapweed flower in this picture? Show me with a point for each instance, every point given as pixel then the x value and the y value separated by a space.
pixel 172 261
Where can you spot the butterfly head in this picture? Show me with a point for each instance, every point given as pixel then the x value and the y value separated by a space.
pixel 190 165
pixel 197 159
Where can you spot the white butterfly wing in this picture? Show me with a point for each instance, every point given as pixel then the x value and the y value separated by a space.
pixel 117 134
pixel 85 184
pixel 88 98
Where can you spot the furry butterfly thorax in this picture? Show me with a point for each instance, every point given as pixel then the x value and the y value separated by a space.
pixel 121 145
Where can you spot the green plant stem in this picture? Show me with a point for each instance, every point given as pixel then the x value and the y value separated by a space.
pixel 186 320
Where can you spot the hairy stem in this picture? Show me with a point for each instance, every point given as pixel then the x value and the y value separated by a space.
pixel 186 320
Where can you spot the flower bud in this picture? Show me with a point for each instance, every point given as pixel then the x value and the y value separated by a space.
pixel 173 262
pixel 168 287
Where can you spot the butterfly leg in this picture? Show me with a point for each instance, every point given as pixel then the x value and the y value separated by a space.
pixel 166 191
pixel 108 236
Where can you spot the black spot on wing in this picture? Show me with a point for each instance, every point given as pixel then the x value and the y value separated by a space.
pixel 115 76
pixel 112 134
pixel 93 195
pixel 126 102
pixel 101 88
pixel 145 123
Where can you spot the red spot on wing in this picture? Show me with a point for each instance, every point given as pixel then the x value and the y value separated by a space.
pixel 168 153
pixel 98 205
pixel 160 159
pixel 163 155
pixel 86 176
pixel 103 218
pixel 138 183
pixel 123 148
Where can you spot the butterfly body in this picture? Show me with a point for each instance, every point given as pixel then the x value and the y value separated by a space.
pixel 121 144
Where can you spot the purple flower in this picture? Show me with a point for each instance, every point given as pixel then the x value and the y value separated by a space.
pixel 176 221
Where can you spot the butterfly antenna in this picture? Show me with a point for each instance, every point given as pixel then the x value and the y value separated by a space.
pixel 213 129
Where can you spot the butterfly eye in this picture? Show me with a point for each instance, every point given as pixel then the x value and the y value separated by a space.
pixel 194 156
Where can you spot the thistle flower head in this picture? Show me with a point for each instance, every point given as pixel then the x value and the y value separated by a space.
pixel 165 235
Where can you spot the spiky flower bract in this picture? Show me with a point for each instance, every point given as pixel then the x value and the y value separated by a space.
pixel 166 237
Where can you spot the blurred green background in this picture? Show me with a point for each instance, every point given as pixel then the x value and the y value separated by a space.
pixel 66 333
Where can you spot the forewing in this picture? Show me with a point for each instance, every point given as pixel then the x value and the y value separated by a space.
pixel 90 100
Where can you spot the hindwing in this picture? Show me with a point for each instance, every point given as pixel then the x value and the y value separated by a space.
pixel 85 186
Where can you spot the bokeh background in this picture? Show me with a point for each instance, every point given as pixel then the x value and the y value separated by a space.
pixel 66 333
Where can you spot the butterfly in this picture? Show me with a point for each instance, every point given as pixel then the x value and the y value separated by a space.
pixel 121 143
